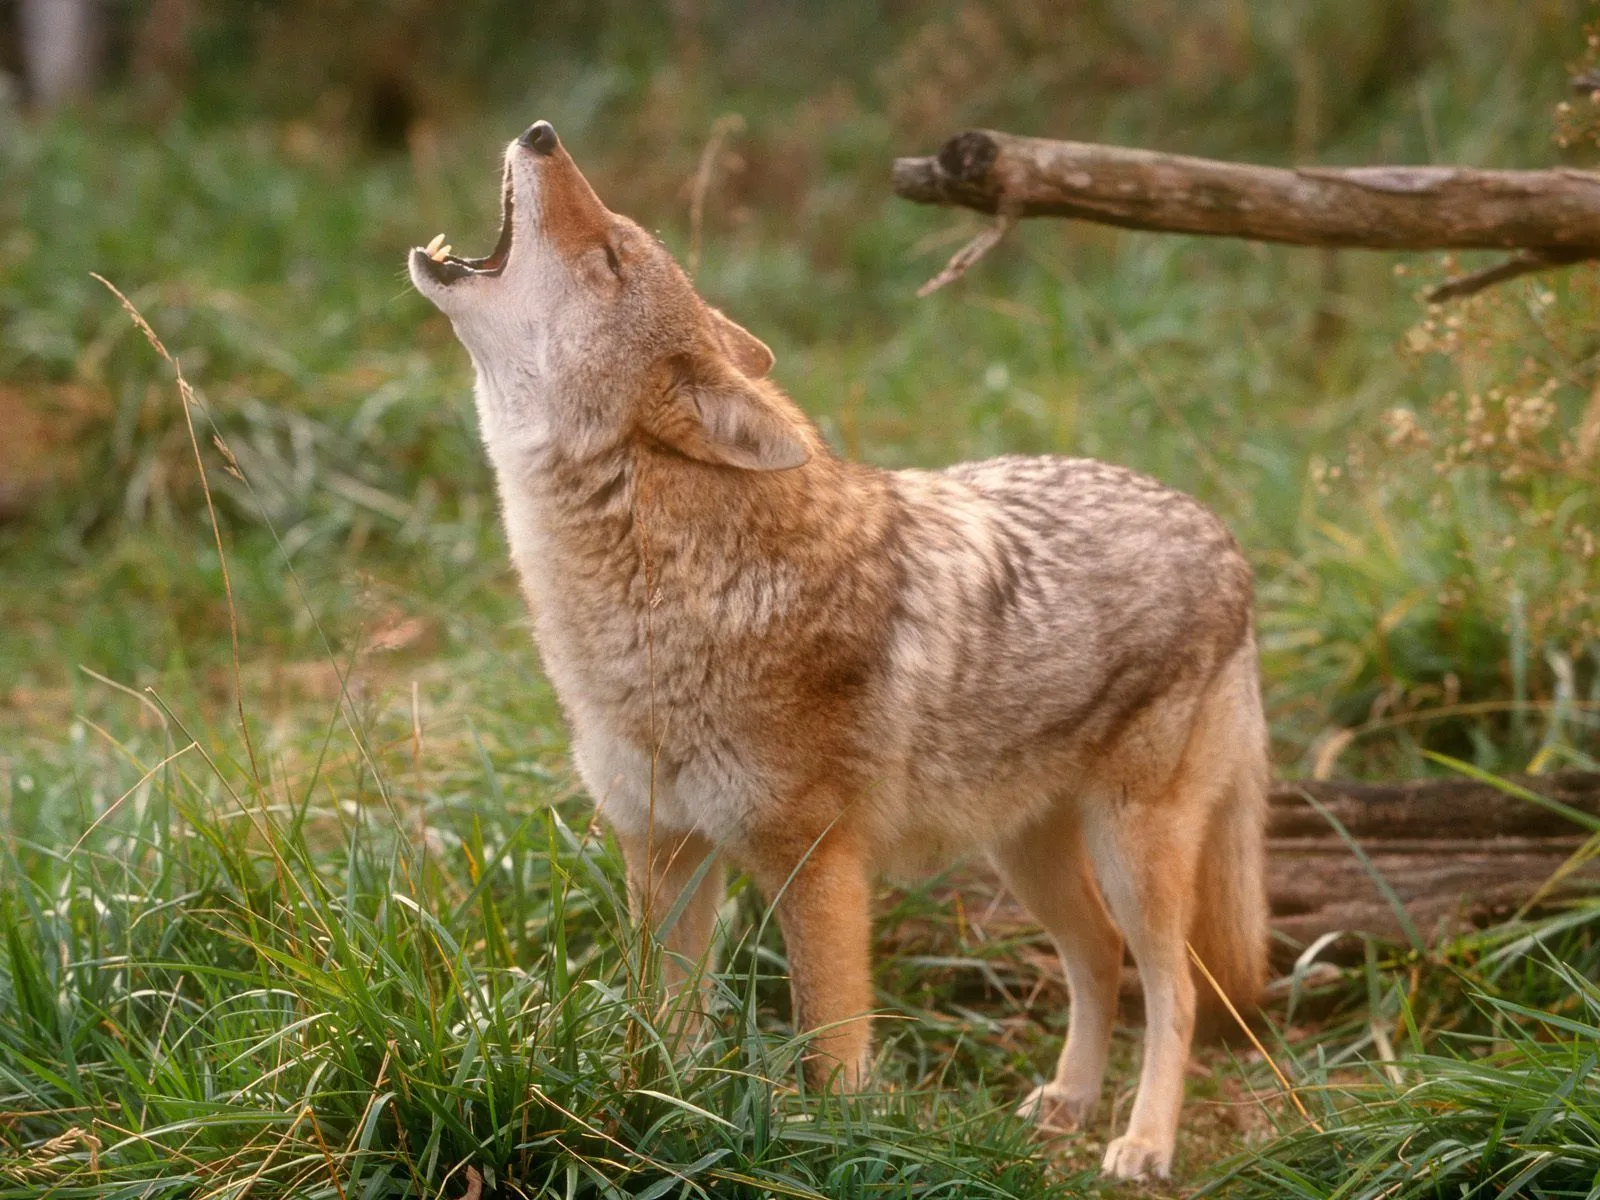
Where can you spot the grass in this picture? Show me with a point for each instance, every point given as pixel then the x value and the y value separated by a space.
pixel 1512 1112
pixel 363 935
pixel 242 989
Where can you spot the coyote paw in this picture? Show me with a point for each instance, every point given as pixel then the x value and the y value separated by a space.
pixel 1054 1107
pixel 1129 1157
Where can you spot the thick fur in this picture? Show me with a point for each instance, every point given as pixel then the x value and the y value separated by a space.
pixel 822 670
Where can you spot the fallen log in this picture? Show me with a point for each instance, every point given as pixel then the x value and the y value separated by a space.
pixel 1455 854
pixel 1548 218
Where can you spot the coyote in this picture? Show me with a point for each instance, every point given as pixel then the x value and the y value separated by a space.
pixel 819 670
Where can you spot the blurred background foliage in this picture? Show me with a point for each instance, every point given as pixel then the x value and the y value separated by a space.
pixel 252 173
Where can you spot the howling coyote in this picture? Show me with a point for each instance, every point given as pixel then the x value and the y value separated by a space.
pixel 821 670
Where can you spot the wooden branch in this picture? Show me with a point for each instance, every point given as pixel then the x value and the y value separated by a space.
pixel 1511 268
pixel 963 258
pixel 1550 218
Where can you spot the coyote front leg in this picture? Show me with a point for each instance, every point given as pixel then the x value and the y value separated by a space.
pixel 823 901
pixel 659 871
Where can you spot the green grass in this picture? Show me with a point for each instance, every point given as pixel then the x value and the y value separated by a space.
pixel 377 940
pixel 354 982
pixel 1514 1110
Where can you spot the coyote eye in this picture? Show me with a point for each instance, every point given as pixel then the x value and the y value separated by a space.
pixel 613 261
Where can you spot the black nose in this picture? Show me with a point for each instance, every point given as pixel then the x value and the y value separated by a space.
pixel 540 137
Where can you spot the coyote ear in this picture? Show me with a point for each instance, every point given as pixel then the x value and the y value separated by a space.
pixel 748 352
pixel 726 420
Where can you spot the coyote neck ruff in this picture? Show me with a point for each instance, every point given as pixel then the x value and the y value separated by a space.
pixel 820 670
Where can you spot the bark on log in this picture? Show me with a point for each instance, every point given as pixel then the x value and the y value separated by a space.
pixel 1457 853
pixel 1550 218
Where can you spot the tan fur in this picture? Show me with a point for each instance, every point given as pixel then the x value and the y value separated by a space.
pixel 574 218
pixel 821 671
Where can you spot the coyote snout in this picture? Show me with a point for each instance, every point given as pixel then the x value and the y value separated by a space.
pixel 820 670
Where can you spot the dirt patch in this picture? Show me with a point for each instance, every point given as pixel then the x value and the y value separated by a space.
pixel 43 423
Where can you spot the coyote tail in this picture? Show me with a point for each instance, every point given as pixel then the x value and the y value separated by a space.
pixel 1230 922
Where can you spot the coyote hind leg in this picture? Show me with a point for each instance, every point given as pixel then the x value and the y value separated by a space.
pixel 1047 868
pixel 1146 854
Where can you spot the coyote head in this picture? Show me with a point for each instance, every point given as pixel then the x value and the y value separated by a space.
pixel 585 333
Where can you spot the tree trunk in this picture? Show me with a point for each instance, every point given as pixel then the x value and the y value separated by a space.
pixel 60 49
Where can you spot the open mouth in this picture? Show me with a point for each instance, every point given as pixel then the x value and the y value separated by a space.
pixel 446 268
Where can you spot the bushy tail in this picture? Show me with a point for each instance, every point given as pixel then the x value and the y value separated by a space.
pixel 1230 922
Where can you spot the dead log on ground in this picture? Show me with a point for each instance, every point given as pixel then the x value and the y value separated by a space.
pixel 1456 853
pixel 1546 218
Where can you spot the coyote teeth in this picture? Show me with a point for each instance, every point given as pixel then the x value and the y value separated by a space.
pixel 440 253
pixel 437 249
